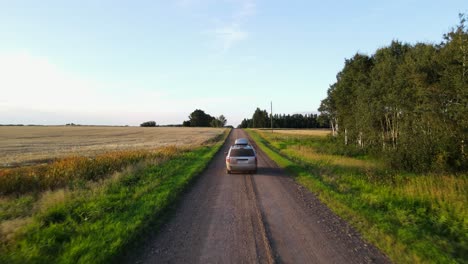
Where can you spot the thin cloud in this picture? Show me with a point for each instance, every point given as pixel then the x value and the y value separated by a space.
pixel 233 31
pixel 248 9
pixel 230 35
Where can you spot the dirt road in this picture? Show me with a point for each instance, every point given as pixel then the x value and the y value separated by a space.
pixel 245 218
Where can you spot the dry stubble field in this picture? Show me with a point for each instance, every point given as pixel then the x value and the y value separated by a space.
pixel 20 145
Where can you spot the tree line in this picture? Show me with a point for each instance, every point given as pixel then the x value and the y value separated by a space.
pixel 197 118
pixel 407 102
pixel 261 119
pixel 149 124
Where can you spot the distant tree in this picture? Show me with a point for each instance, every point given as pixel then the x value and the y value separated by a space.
pixel 148 124
pixel 199 118
pixel 223 120
pixel 215 123
pixel 323 121
pixel 244 123
pixel 260 119
pixel 186 123
pixel 219 121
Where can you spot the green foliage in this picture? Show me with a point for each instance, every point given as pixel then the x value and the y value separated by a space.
pixel 96 225
pixel 261 119
pixel 16 209
pixel 246 123
pixel 148 124
pixel 406 102
pixel 413 218
pixel 219 121
pixel 199 118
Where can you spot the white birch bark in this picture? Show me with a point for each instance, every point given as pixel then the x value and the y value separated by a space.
pixel 346 136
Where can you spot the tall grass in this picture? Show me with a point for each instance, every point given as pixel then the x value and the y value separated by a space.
pixel 413 218
pixel 47 189
pixel 73 170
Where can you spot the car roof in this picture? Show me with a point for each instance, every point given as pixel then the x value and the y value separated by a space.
pixel 242 147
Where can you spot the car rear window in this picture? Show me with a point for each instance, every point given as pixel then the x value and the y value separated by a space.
pixel 241 142
pixel 242 153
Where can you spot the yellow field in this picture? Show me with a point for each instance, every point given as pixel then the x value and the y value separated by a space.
pixel 307 132
pixel 33 144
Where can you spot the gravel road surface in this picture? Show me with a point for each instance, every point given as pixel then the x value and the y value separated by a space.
pixel 248 218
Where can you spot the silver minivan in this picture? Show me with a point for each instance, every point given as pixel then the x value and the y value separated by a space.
pixel 241 158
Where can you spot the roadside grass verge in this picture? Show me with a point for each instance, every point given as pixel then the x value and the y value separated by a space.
pixel 413 218
pixel 94 222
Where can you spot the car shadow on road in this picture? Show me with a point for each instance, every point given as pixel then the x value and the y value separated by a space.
pixel 271 172
pixel 264 172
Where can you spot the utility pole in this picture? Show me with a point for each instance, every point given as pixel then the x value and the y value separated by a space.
pixel 271 116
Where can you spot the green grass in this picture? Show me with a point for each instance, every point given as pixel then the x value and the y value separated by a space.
pixel 95 223
pixel 412 218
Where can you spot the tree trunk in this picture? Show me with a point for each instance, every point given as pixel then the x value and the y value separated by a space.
pixel 345 136
pixel 333 127
pixel 360 143
pixel 336 126
pixel 387 129
pixel 383 134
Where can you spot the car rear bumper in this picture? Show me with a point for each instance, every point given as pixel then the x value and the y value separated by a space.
pixel 241 167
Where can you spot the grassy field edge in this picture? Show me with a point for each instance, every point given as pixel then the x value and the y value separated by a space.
pixel 97 226
pixel 304 174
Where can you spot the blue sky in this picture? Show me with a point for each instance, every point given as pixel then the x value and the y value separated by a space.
pixel 124 62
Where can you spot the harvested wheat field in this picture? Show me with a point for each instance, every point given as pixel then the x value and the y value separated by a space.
pixel 21 145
